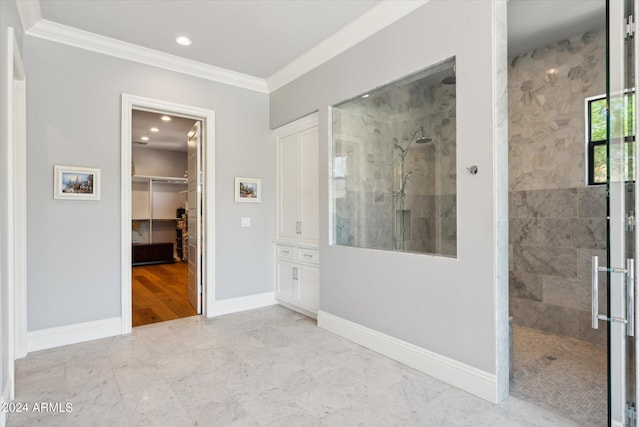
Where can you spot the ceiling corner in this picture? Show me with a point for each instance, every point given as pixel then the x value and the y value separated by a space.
pixel 29 11
pixel 374 20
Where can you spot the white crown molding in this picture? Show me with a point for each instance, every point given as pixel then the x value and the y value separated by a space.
pixel 96 43
pixel 29 11
pixel 377 18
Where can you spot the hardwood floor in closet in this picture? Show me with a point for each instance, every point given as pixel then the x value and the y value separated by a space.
pixel 160 293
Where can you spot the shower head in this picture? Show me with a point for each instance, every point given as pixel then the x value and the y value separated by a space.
pixel 451 80
pixel 423 140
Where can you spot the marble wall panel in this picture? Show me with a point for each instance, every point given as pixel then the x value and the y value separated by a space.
pixel 567 292
pixel 545 260
pixel 448 248
pixel 525 285
pixel 547 88
pixel 592 201
pixel 556 223
pixel 584 233
pixel 546 317
pixel 560 203
pixel 525 231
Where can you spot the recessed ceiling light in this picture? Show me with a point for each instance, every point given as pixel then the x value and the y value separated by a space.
pixel 154 129
pixel 183 40
pixel 144 138
pixel 366 95
pixel 165 118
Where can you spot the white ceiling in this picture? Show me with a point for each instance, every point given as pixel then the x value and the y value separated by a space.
pixel 255 37
pixel 537 23
pixel 260 38
pixel 171 135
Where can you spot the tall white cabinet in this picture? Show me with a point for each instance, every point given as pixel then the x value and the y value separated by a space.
pixel 297 256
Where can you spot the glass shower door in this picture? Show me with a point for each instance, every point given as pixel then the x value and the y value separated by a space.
pixel 621 313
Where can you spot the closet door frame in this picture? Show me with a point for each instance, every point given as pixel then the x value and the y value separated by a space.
pixel 207 118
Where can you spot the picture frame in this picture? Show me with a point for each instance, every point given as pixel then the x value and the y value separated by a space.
pixel 76 183
pixel 248 190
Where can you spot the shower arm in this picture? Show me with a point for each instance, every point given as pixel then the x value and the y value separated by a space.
pixel 405 151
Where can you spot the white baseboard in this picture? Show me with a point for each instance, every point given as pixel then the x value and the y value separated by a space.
pixel 72 334
pixel 234 305
pixel 300 310
pixel 463 376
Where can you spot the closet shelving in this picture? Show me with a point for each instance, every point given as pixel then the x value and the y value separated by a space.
pixel 154 202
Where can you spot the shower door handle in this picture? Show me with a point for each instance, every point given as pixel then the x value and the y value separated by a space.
pixel 630 295
pixel 631 291
pixel 594 292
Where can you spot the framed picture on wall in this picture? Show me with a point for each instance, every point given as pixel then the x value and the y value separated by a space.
pixel 248 190
pixel 76 183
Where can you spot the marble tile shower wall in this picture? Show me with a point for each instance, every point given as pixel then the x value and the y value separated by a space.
pixel 556 222
pixel 368 131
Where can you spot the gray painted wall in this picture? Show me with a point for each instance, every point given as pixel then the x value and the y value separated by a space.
pixel 8 18
pixel 154 162
pixel 73 111
pixel 453 307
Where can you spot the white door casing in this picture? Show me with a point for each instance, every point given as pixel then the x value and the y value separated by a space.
pixel 207 117
pixel 13 247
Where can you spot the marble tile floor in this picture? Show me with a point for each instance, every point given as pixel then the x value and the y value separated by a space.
pixel 565 375
pixel 264 367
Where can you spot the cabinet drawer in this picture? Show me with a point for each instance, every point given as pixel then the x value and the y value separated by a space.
pixel 285 252
pixel 309 255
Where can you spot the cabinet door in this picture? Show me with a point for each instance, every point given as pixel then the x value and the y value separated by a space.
pixel 288 186
pixel 286 284
pixel 309 200
pixel 309 282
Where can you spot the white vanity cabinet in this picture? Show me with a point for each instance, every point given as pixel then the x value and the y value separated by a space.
pixel 297 257
pixel 298 279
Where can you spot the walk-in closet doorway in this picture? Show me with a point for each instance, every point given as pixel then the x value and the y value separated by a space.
pixel 167 205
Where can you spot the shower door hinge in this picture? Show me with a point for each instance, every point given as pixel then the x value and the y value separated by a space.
pixel 631 415
pixel 630 221
pixel 629 27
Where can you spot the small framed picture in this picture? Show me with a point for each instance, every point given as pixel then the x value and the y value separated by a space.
pixel 76 183
pixel 248 190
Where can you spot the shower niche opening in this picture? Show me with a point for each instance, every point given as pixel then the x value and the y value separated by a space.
pixel 393 154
